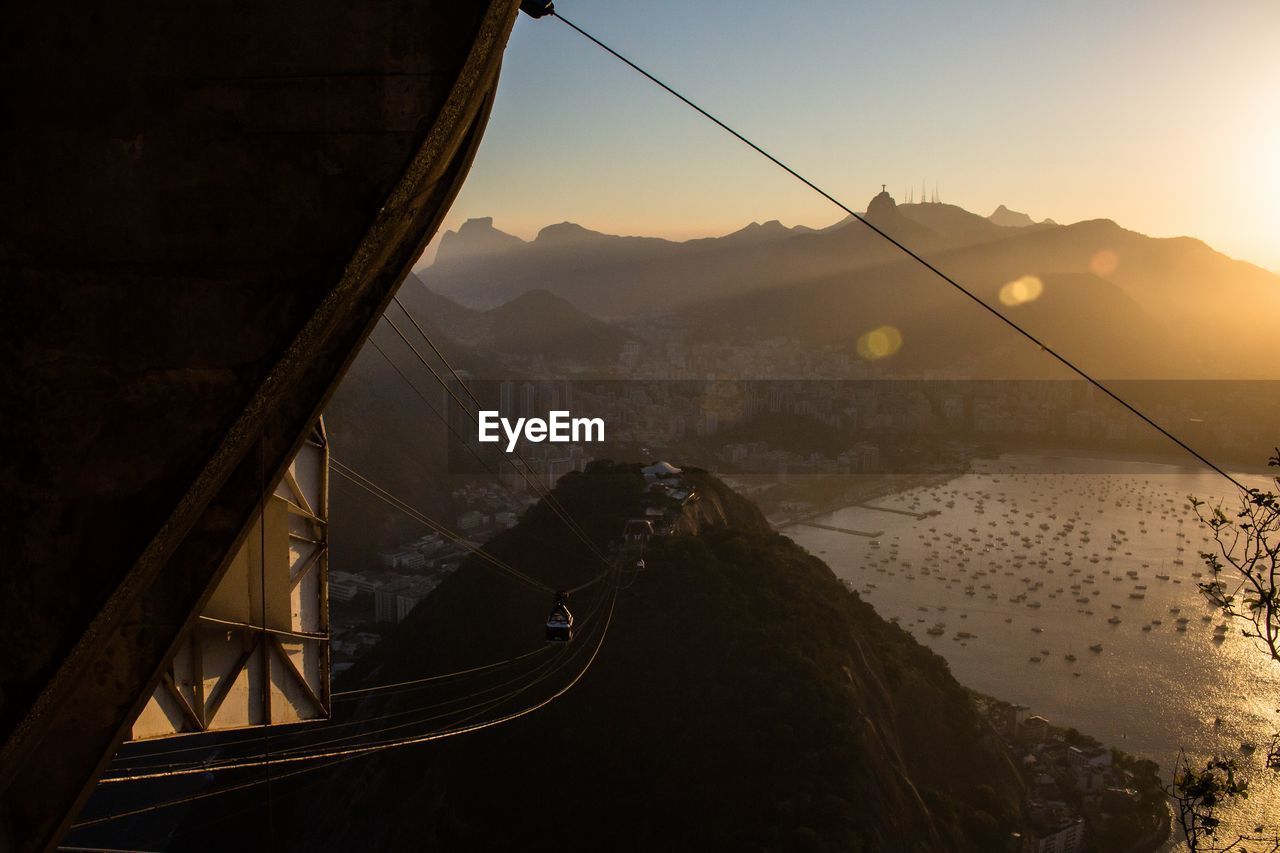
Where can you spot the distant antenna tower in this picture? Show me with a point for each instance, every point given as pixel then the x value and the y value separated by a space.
pixel 936 200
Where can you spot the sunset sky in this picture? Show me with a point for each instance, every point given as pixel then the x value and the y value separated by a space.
pixel 1162 116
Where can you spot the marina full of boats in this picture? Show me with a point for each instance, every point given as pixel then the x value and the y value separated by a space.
pixel 1070 586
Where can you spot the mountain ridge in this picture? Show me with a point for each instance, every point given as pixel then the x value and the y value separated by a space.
pixel 742 699
pixel 1183 309
pixel 1010 218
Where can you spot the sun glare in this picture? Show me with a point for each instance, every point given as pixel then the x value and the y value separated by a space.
pixel 1021 290
pixel 880 342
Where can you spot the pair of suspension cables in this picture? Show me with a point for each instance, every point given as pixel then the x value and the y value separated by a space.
pixel 478 701
pixel 336 754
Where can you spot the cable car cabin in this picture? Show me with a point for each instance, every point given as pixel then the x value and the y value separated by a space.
pixel 636 531
pixel 560 621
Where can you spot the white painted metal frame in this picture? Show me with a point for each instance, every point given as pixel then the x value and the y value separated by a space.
pixel 259 654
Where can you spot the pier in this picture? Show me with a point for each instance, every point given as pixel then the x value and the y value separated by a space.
pixel 847 530
pixel 916 515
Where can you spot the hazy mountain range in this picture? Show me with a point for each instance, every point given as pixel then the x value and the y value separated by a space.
pixel 534 324
pixel 1121 303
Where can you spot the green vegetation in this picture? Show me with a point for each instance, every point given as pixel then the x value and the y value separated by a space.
pixel 1148 817
pixel 1246 552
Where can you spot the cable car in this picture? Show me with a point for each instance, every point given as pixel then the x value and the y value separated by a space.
pixel 560 621
pixel 637 530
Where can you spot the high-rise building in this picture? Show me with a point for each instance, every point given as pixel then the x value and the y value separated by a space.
pixel 507 398
pixel 528 400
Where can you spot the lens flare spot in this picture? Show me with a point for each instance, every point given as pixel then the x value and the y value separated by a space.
pixel 880 342
pixel 1104 262
pixel 1022 290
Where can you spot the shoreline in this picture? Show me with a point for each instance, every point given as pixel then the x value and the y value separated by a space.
pixel 1161 838
pixel 888 485
pixel 1180 460
pixel 885 485
pixel 1157 834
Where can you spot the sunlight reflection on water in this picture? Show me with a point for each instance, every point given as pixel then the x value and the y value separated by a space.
pixel 1148 692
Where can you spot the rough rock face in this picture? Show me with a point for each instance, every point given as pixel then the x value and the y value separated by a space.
pixel 475 238
pixel 198 232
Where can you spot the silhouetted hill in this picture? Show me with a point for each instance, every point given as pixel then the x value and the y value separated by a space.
pixel 539 323
pixel 945 334
pixel 1209 316
pixel 743 699
pixel 1118 303
pixel 1010 218
pixel 571 234
pixel 760 232
pixel 499 343
pixel 439 314
pixel 616 278
pixel 1140 306
pixel 885 214
pixel 382 427
pixel 475 238
pixel 957 225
